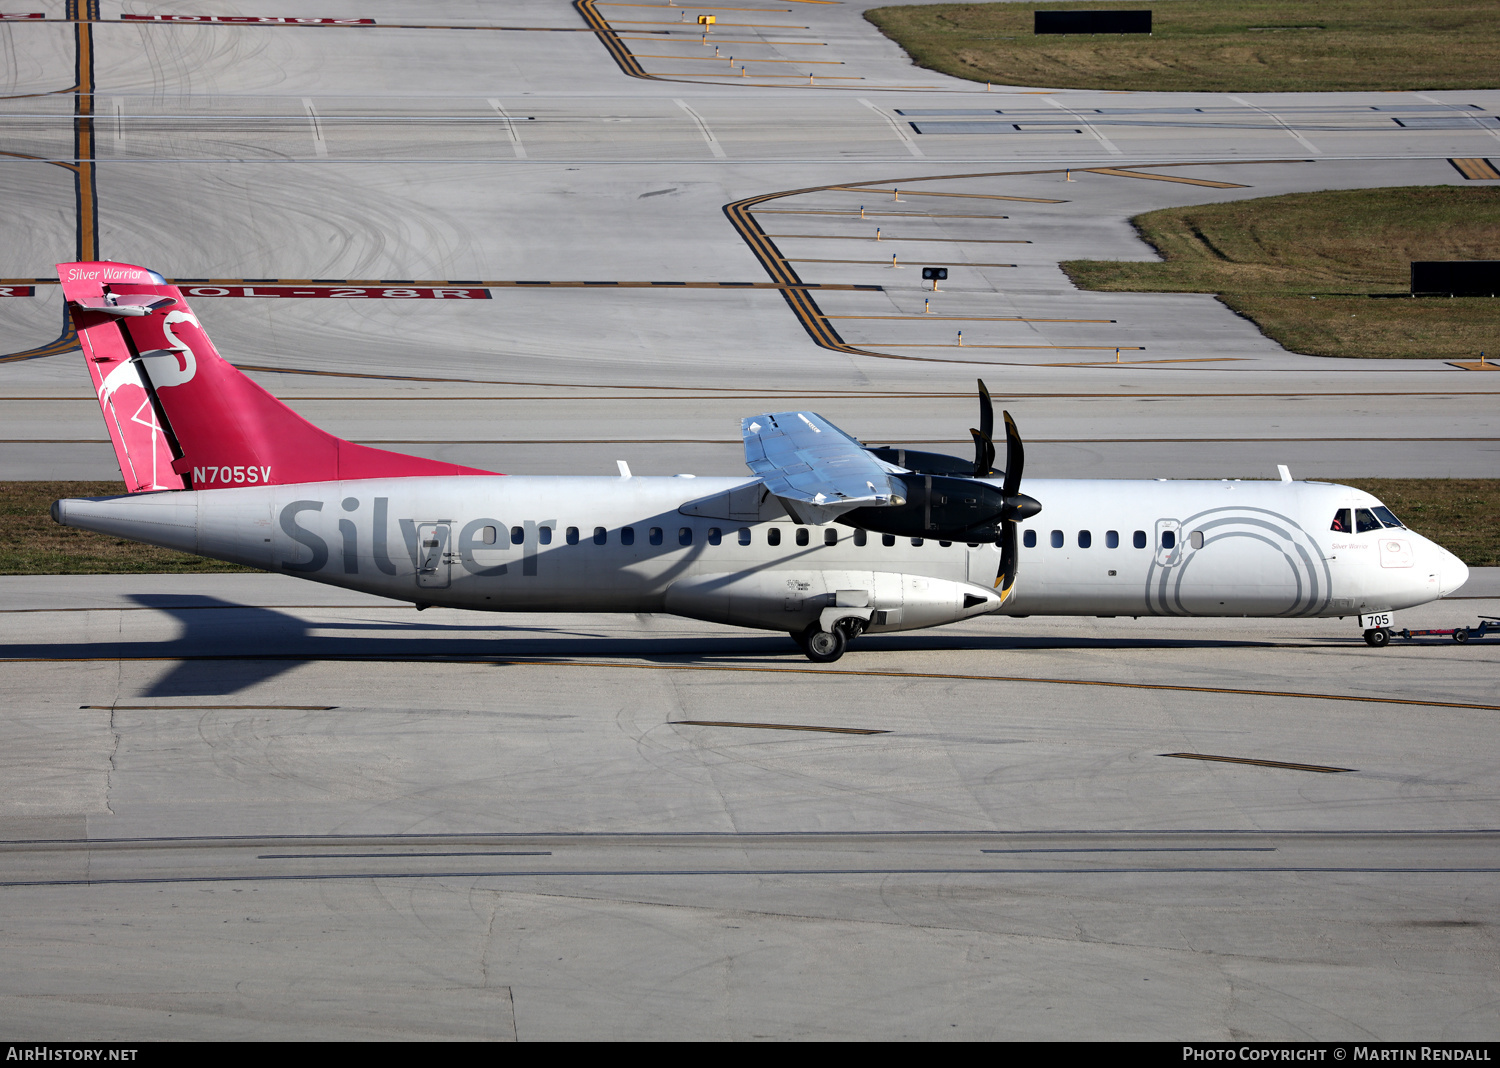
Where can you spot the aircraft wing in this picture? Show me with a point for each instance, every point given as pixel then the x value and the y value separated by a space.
pixel 816 470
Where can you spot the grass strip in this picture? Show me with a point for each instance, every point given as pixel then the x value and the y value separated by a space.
pixel 32 544
pixel 1461 514
pixel 1239 46
pixel 1327 274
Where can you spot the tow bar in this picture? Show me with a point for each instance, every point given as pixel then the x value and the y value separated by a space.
pixel 1458 634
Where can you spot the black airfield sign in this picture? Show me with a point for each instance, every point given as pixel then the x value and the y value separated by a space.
pixel 1455 278
pixel 1092 22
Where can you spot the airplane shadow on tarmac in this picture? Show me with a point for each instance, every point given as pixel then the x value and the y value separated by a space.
pixel 223 647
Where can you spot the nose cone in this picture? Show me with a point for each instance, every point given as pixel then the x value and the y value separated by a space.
pixel 1019 506
pixel 1452 572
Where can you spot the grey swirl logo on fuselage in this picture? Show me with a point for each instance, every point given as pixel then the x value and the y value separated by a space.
pixel 1251 560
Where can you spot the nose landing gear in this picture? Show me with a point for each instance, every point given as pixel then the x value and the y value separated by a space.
pixel 1378 637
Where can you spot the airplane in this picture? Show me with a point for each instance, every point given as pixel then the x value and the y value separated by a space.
pixel 826 541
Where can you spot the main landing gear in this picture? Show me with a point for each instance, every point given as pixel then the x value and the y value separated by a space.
pixel 1378 637
pixel 825 646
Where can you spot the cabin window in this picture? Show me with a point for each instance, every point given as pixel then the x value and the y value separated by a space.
pixel 1139 540
pixel 487 535
pixel 601 536
pixel 1085 539
pixel 684 535
pixel 544 535
pixel 1365 521
pixel 627 535
pixel 1388 517
pixel 744 535
pixel 1169 539
pixel 517 535
pixel 860 537
pixel 1111 539
pixel 887 540
pixel 802 536
pixel 654 535
pixel 773 536
pixel 572 535
pixel 1057 539
pixel 1195 539
pixel 1343 522
pixel 917 542
pixel 830 537
pixel 715 535
pixel 945 544
pixel 1029 539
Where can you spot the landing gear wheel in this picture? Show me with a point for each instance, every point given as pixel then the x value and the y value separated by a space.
pixel 822 646
pixel 1461 635
pixel 1378 638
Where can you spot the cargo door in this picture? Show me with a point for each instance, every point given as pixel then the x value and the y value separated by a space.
pixel 434 561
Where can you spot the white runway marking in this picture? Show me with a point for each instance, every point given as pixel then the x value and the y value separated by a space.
pixel 319 145
pixel 510 128
pixel 713 143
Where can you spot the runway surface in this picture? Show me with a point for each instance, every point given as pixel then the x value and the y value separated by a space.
pixel 243 807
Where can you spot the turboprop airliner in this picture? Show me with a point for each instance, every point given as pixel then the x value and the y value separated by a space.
pixel 826 540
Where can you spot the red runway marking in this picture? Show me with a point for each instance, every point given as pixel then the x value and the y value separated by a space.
pixel 241 19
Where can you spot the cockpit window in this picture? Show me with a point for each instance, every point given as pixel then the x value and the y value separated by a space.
pixel 1386 516
pixel 1341 521
pixel 1365 521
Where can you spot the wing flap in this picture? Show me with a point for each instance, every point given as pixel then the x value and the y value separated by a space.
pixel 817 471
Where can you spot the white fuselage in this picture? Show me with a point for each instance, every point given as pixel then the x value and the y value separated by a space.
pixel 714 548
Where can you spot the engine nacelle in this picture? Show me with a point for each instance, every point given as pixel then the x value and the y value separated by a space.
pixel 790 600
pixel 951 509
pixel 926 463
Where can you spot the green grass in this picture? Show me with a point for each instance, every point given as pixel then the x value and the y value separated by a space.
pixel 32 544
pixel 1461 514
pixel 1243 46
pixel 1305 267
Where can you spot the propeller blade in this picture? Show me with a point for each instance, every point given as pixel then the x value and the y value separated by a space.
pixel 984 454
pixel 1015 457
pixel 984 437
pixel 1005 579
pixel 1017 506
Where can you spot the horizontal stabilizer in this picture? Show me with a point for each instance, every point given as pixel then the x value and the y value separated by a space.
pixel 816 470
pixel 123 308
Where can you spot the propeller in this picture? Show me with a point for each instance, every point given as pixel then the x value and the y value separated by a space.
pixel 1017 505
pixel 944 501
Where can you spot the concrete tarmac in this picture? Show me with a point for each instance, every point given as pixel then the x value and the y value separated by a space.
pixel 244 807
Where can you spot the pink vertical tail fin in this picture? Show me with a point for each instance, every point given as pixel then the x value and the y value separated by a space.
pixel 182 417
